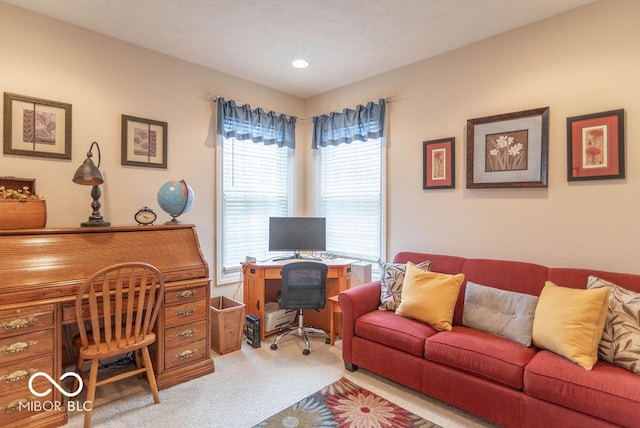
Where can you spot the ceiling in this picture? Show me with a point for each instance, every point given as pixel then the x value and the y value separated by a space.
pixel 345 41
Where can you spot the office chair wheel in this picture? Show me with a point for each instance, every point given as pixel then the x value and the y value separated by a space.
pixel 274 346
pixel 306 352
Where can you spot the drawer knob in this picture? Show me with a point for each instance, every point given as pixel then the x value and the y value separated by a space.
pixel 19 323
pixel 187 353
pixel 17 376
pixel 17 404
pixel 186 333
pixel 18 347
pixel 185 312
pixel 186 294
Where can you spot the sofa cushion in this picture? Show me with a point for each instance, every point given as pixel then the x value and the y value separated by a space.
pixel 481 354
pixel 389 329
pixel 606 392
pixel 429 296
pixel 391 283
pixel 620 342
pixel 520 277
pixel 504 313
pixel 570 322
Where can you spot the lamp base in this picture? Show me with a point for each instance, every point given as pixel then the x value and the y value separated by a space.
pixel 95 222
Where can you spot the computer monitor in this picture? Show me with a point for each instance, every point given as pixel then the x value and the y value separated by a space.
pixel 297 234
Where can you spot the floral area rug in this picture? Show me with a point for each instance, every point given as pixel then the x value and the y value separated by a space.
pixel 344 404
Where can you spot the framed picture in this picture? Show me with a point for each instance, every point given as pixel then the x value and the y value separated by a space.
pixel 595 146
pixel 36 127
pixel 438 164
pixel 144 142
pixel 508 150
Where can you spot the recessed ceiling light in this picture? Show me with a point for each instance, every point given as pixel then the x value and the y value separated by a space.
pixel 300 63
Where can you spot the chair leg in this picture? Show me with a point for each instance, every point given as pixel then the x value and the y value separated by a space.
pixel 137 356
pixel 91 391
pixel 301 331
pixel 79 371
pixel 151 377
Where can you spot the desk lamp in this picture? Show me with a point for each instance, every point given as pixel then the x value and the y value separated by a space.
pixel 88 174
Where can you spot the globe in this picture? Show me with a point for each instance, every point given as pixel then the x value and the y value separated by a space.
pixel 175 197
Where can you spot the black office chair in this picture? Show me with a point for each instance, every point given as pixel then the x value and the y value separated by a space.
pixel 304 286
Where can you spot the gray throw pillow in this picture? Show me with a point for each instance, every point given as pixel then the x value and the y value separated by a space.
pixel 504 313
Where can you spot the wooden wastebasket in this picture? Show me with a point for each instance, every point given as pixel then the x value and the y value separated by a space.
pixel 227 322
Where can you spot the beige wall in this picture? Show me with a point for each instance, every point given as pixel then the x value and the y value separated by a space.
pixel 104 78
pixel 581 62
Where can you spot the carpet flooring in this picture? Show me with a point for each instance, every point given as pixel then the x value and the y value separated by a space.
pixel 249 386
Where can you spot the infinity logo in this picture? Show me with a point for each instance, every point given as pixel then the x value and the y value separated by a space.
pixel 54 383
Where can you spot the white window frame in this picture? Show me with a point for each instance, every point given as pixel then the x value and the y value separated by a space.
pixel 234 275
pixel 383 202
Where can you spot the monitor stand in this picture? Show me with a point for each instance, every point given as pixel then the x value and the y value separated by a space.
pixel 296 256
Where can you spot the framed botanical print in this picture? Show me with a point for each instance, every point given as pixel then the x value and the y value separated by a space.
pixel 36 127
pixel 595 146
pixel 438 164
pixel 144 142
pixel 508 150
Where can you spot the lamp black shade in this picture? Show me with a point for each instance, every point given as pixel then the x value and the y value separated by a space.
pixel 88 174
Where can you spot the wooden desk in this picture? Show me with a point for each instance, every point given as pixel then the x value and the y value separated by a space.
pixel 41 270
pixel 262 282
pixel 335 308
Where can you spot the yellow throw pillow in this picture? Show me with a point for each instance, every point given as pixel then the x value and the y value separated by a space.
pixel 429 296
pixel 569 322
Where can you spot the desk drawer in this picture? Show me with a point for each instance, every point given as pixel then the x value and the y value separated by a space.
pixel 183 334
pixel 26 346
pixel 185 354
pixel 25 320
pixel 16 376
pixel 185 313
pixel 19 405
pixel 186 294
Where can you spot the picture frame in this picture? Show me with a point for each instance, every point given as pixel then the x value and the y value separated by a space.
pixel 595 146
pixel 36 127
pixel 438 164
pixel 144 142
pixel 508 150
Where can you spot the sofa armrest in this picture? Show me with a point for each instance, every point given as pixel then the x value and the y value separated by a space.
pixel 355 302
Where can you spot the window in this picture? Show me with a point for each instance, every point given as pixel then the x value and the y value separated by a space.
pixel 253 182
pixel 254 185
pixel 351 198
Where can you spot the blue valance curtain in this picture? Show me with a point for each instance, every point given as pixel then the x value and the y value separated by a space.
pixel 244 123
pixel 360 124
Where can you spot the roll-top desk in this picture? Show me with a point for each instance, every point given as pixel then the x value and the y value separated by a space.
pixel 41 271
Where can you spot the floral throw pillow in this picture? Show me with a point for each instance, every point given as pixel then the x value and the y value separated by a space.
pixel 392 276
pixel 620 343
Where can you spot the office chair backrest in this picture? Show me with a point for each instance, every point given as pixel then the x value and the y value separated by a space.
pixel 304 285
pixel 135 292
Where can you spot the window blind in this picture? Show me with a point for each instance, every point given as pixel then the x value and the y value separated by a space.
pixel 351 198
pixel 254 187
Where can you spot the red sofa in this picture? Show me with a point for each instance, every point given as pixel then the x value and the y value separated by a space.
pixel 492 377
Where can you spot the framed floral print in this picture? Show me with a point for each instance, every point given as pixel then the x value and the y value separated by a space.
pixel 438 164
pixel 508 150
pixel 595 146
